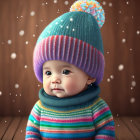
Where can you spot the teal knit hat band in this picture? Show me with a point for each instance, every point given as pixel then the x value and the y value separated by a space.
pixel 80 25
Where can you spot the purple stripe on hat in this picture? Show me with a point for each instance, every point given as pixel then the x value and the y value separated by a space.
pixel 71 50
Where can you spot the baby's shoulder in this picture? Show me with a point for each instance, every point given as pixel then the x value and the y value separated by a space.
pixel 99 103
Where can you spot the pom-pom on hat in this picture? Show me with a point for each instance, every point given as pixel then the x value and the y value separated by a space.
pixel 73 37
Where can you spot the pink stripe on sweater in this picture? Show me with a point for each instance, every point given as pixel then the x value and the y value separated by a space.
pixel 100 112
pixel 87 119
pixel 104 137
pixel 36 116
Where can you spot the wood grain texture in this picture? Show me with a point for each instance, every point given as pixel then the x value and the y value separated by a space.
pixel 122 22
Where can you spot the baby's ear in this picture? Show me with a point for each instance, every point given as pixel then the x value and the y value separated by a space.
pixel 90 80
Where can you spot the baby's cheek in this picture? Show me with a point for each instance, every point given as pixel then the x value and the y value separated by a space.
pixel 71 87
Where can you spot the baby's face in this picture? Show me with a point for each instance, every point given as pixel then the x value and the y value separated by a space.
pixel 62 79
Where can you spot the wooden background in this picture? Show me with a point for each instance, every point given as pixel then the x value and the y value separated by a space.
pixel 121 38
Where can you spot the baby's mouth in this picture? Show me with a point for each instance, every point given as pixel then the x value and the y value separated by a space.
pixel 57 89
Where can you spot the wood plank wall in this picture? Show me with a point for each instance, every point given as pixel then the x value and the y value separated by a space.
pixel 121 38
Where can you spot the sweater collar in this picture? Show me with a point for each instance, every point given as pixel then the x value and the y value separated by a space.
pixel 85 96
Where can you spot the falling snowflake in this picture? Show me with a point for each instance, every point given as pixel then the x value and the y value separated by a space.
pixel 9 42
pixel 104 3
pixel 138 32
pixel 111 76
pixel 26 42
pixel 67 27
pixel 33 35
pixel 13 55
pixel 133 76
pixel 66 2
pixel 25 66
pixel 55 1
pixel 133 83
pixel 110 4
pixel 71 19
pixel 127 2
pixel 16 85
pixel 132 100
pixel 120 12
pixel 0 93
pixel 108 79
pixel 130 49
pixel 73 29
pixel 123 40
pixel 21 32
pixel 120 67
pixel 107 52
pixel 32 13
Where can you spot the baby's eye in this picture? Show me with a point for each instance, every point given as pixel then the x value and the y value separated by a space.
pixel 66 72
pixel 48 73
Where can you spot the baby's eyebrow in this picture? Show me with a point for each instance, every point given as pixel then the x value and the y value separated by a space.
pixel 62 66
pixel 45 68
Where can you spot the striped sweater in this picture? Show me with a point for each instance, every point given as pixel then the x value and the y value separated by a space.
pixel 81 119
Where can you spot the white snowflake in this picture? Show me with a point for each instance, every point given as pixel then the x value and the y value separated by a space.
pixel 132 100
pixel 127 2
pixel 112 76
pixel 26 42
pixel 0 93
pixel 71 19
pixel 55 1
pixel 16 85
pixel 21 32
pixel 104 2
pixel 120 67
pixel 123 40
pixel 108 79
pixel 133 83
pixel 110 4
pixel 13 55
pixel 33 35
pixel 120 12
pixel 67 27
pixel 9 42
pixel 133 76
pixel 130 49
pixel 73 29
pixel 66 2
pixel 138 32
pixel 25 66
pixel 32 13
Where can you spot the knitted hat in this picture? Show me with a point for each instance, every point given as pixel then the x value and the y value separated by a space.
pixel 74 37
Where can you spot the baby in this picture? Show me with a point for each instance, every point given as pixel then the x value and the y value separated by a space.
pixel 69 61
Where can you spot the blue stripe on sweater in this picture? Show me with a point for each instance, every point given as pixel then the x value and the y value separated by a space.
pixel 66 136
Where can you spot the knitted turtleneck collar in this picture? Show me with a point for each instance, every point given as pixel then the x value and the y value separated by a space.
pixel 85 96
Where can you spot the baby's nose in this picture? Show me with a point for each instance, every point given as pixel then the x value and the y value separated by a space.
pixel 56 80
